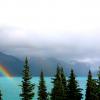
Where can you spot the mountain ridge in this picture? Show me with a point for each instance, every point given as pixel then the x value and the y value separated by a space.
pixel 48 65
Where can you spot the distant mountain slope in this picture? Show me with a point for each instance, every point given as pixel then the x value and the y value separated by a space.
pixel 15 65
pixel 49 66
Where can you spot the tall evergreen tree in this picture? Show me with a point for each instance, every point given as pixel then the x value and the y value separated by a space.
pixel 99 74
pixel 27 86
pixel 42 93
pixel 91 88
pixel 98 85
pixel 0 96
pixel 88 88
pixel 64 83
pixel 57 92
pixel 74 92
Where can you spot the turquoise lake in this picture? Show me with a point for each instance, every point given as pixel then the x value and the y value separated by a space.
pixel 10 87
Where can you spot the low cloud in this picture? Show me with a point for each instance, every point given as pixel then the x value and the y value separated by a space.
pixel 59 45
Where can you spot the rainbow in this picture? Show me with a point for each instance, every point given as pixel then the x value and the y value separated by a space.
pixel 5 72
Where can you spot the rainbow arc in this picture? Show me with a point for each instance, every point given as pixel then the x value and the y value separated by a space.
pixel 5 71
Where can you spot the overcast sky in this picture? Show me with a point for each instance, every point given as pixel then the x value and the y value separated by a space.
pixel 51 28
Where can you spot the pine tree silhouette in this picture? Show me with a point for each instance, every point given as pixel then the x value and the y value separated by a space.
pixel 57 92
pixel 27 86
pixel 91 88
pixel 0 96
pixel 64 83
pixel 42 91
pixel 74 92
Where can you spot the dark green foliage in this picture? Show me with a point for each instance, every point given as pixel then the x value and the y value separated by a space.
pixel 98 85
pixel 74 92
pixel 0 96
pixel 91 88
pixel 27 86
pixel 58 88
pixel 64 83
pixel 42 94
pixel 99 74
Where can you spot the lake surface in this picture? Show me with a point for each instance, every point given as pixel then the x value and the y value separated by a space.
pixel 10 87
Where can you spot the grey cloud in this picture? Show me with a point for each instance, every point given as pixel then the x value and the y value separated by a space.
pixel 60 45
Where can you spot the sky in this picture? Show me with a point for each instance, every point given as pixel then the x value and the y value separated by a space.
pixel 64 29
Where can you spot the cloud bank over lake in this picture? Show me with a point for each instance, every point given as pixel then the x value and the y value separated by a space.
pixel 60 45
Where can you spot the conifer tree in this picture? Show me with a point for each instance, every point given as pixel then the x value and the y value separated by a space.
pixel 91 88
pixel 64 83
pixel 88 88
pixel 99 74
pixel 57 92
pixel 42 91
pixel 74 92
pixel 98 85
pixel 27 86
pixel 0 96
